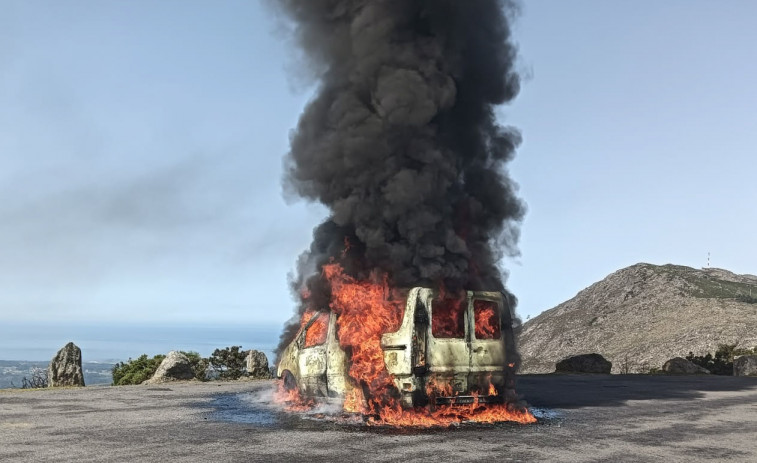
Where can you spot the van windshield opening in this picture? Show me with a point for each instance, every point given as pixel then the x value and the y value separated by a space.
pixel 486 316
pixel 397 298
pixel 316 334
pixel 448 317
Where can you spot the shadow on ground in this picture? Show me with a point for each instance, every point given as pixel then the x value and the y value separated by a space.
pixel 576 391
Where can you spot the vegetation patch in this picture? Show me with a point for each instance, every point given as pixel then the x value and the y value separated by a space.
pixel 136 371
pixel 712 288
pixel 228 363
pixel 708 286
pixel 722 362
pixel 224 364
pixel 36 380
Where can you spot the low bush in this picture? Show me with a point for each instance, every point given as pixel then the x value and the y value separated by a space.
pixel 199 365
pixel 136 371
pixel 722 362
pixel 747 299
pixel 224 364
pixel 228 363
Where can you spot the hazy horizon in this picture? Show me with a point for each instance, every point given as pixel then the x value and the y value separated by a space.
pixel 102 342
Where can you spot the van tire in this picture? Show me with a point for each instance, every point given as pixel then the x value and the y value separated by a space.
pixel 288 380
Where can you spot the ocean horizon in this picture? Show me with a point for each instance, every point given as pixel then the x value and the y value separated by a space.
pixel 116 342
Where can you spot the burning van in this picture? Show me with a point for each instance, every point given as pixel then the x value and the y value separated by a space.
pixel 445 350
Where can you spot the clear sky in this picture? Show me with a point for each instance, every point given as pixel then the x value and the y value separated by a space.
pixel 141 149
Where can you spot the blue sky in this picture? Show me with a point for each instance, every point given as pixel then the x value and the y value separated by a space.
pixel 141 147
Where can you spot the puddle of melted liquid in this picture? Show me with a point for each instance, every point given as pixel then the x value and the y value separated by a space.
pixel 544 413
pixel 235 409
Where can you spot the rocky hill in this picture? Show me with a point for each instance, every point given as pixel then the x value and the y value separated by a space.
pixel 643 315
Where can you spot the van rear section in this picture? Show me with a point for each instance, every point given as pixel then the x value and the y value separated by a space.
pixel 450 349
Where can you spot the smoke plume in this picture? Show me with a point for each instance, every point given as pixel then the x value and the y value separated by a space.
pixel 401 142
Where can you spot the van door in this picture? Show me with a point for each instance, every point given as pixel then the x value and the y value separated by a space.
pixel 312 358
pixel 449 354
pixel 337 365
pixel 487 347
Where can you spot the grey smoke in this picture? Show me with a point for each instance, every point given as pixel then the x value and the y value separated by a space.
pixel 401 142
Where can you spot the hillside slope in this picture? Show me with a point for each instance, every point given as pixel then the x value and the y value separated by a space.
pixel 643 315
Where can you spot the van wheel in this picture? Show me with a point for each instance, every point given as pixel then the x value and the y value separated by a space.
pixel 290 384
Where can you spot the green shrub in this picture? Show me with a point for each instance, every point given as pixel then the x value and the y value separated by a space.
pixel 228 363
pixel 722 362
pixel 224 364
pixel 199 365
pixel 141 369
pixel 136 371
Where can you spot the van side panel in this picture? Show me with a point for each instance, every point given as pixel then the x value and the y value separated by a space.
pixel 337 366
pixel 288 360
pixel 312 363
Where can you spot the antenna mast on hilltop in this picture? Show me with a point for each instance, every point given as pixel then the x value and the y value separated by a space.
pixel 708 259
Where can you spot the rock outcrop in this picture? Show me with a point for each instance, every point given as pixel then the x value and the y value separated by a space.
pixel 175 367
pixel 745 365
pixel 65 367
pixel 584 363
pixel 257 365
pixel 681 366
pixel 643 315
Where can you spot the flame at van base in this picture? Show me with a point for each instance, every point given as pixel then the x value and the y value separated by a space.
pixel 365 311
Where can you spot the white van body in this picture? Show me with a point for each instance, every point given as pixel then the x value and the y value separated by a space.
pixel 428 364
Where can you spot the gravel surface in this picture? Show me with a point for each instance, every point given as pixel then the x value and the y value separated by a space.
pixel 581 418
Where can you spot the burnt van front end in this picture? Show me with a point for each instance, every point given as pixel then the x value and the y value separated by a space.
pixel 314 363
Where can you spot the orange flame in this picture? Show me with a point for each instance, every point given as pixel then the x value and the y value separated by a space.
pixel 368 309
pixel 365 313
pixel 353 401
pixel 449 319
pixel 486 319
pixel 292 399
pixel 316 334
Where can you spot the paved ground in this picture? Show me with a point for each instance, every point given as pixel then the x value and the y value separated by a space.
pixel 583 418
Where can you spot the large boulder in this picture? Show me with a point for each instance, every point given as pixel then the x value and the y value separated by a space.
pixel 745 365
pixel 585 363
pixel 175 367
pixel 681 366
pixel 256 364
pixel 65 367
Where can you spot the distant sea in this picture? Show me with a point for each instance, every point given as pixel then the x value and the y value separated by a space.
pixel 13 372
pixel 111 343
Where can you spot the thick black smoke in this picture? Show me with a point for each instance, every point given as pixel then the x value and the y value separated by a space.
pixel 401 142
